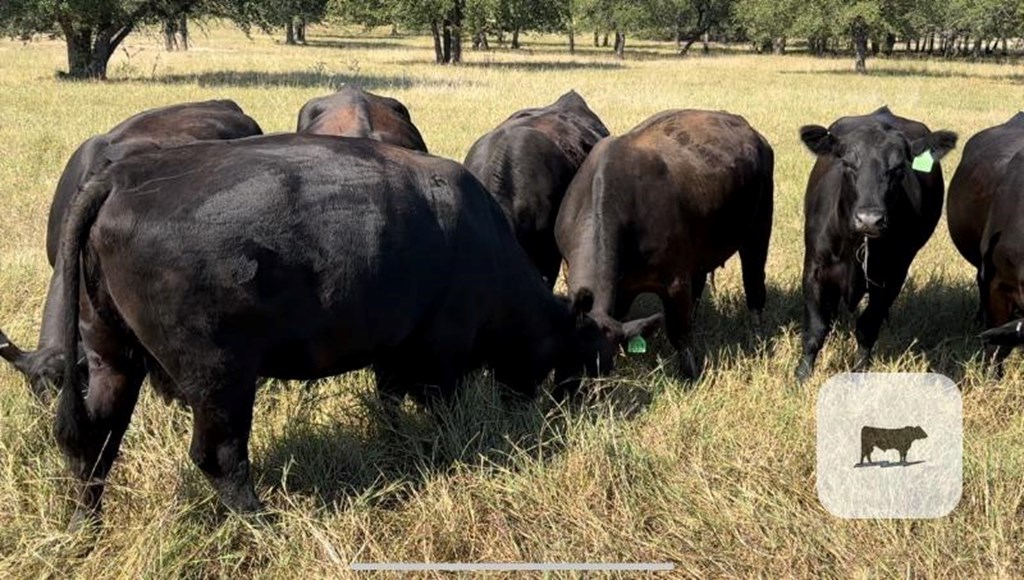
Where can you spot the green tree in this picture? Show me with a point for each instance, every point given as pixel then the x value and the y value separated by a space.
pixel 93 29
pixel 768 23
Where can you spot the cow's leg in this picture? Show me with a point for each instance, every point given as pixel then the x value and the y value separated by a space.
pixel 982 299
pixel 869 323
pixel 821 301
pixel 222 406
pixel 999 309
pixel 677 301
pixel 90 435
pixel 753 257
pixel 700 281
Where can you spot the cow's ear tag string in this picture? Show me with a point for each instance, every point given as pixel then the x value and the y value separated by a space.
pixel 637 345
pixel 924 162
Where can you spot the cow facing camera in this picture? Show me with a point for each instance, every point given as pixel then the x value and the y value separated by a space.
pixel 890 446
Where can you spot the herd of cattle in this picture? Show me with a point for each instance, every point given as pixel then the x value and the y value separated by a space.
pixel 188 247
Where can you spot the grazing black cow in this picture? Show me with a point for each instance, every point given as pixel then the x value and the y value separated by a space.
pixel 353 112
pixel 528 162
pixel 294 257
pixel 165 126
pixel 886 439
pixel 659 208
pixel 867 213
pixel 986 213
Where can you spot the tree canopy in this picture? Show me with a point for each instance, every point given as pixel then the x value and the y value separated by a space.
pixel 93 29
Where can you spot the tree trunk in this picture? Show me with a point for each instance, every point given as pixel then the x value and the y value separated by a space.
pixel 572 40
pixel 860 45
pixel 183 31
pixel 446 41
pixel 931 44
pixel 605 42
pixel 456 26
pixel 435 32
pixel 889 44
pixel 620 45
pixel 597 39
pixel 89 52
pixel 170 34
pixel 289 32
pixel 300 30
pixel 684 45
pixel 705 38
pixel 394 29
pixel 779 45
pixel 515 38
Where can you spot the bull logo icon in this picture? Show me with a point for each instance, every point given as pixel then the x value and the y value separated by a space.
pixel 888 439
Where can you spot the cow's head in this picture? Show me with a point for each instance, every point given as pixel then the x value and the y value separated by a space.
pixel 918 433
pixel 594 341
pixel 876 163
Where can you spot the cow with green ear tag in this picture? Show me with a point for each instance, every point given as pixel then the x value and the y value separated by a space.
pixel 658 209
pixel 873 199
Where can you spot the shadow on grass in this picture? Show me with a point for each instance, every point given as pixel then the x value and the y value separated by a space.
pixel 383 461
pixel 935 322
pixel 913 72
pixel 721 327
pixel 301 79
pixel 544 65
pixel 528 65
pixel 350 43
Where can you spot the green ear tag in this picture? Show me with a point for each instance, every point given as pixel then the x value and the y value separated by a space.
pixel 637 345
pixel 924 162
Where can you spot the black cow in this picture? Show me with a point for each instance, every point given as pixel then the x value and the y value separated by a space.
pixel 867 213
pixel 528 162
pixel 353 112
pixel 165 126
pixel 886 439
pixel 986 211
pixel 659 208
pixel 294 257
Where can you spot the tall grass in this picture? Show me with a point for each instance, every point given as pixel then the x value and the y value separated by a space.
pixel 717 476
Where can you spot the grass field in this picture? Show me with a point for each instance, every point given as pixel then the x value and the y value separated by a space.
pixel 717 477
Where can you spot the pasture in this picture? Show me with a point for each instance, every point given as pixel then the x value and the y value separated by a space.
pixel 717 476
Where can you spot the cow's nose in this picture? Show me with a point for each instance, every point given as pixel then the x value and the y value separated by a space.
pixel 869 222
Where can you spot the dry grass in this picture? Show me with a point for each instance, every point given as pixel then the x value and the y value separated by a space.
pixel 718 478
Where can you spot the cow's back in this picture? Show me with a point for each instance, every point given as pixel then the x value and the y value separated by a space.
pixel 310 240
pixel 690 179
pixel 983 167
pixel 165 127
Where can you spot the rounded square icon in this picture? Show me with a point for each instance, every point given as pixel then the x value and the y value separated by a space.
pixel 890 446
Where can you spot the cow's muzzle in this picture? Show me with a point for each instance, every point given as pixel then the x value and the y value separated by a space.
pixel 870 223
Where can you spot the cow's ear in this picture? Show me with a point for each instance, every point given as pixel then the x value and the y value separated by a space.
pixel 818 139
pixel 939 143
pixel 640 327
pixel 582 302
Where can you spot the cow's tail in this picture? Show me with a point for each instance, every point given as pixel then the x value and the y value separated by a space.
pixel 72 415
